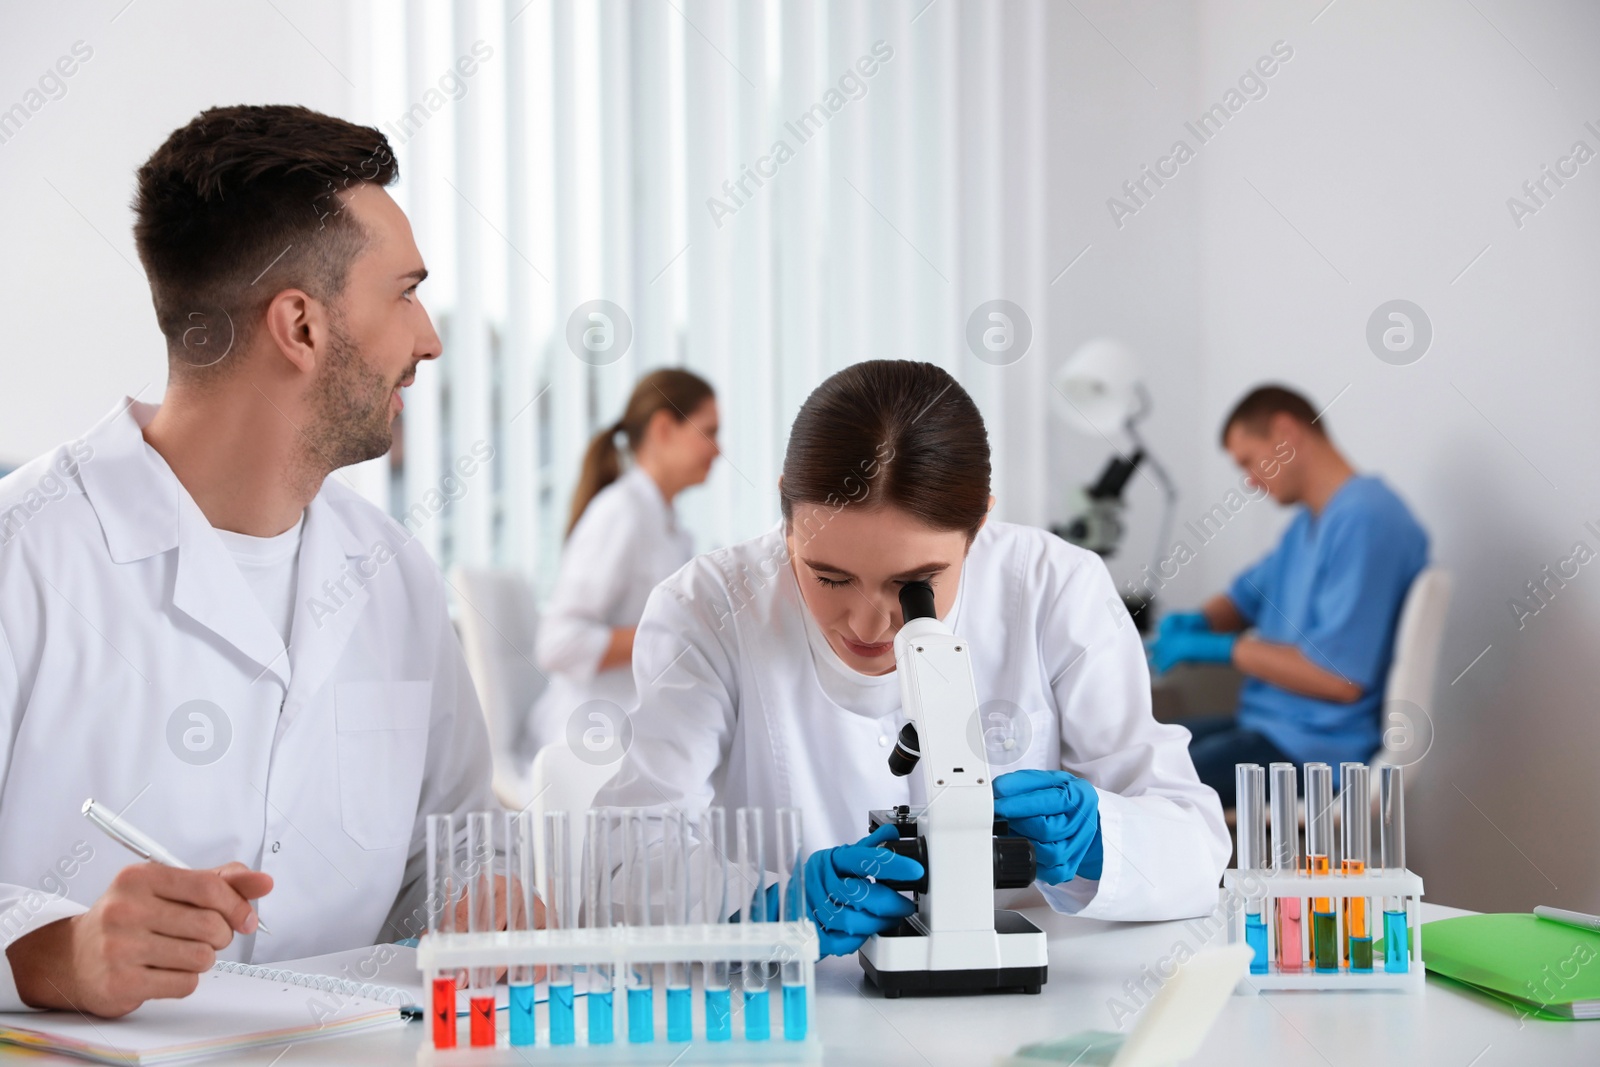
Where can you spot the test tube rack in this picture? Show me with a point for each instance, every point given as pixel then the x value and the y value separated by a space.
pixel 1268 887
pixel 773 943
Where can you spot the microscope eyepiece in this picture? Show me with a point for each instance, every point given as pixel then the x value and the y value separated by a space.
pixel 916 601
pixel 903 758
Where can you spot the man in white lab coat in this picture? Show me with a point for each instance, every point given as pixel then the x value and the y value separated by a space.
pixel 201 629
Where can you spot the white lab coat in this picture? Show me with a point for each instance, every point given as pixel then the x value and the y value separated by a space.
pixel 119 605
pixel 626 541
pixel 742 702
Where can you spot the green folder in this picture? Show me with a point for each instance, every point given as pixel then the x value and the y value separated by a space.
pixel 1545 969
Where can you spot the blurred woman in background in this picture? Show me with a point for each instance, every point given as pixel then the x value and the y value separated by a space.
pixel 623 538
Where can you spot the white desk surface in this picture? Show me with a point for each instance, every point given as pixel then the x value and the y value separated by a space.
pixel 1445 1025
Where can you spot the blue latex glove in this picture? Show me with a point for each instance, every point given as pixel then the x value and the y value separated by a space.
pixel 1183 622
pixel 1060 814
pixel 1172 649
pixel 848 908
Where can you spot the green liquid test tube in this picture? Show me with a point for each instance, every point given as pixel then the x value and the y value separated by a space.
pixel 1355 824
pixel 1319 855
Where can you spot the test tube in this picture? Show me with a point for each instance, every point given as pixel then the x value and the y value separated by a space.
pixel 1250 783
pixel 519 919
pixel 1286 861
pixel 480 920
pixel 636 914
pixel 1392 849
pixel 558 916
pixel 1355 824
pixel 714 881
pixel 1319 857
pixel 597 915
pixel 753 905
pixel 791 909
pixel 441 905
pixel 675 900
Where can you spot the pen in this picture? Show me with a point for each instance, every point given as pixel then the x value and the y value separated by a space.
pixel 140 843
pixel 1568 918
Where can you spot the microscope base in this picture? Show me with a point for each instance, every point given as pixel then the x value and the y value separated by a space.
pixel 896 962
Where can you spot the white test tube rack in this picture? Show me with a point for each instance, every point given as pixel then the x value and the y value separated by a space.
pixel 770 942
pixel 1269 886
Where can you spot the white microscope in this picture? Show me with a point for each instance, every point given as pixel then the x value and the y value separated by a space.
pixel 957 942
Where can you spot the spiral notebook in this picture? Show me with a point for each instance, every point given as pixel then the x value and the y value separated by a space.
pixel 236 1007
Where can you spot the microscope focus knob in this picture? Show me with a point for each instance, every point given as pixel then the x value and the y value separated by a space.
pixel 1014 865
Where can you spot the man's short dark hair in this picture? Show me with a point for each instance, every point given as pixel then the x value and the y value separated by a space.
pixel 1255 412
pixel 241 204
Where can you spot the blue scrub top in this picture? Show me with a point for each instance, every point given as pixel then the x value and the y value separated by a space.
pixel 1332 588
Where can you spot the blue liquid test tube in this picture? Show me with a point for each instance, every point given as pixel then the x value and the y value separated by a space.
pixel 636 909
pixel 675 900
pixel 1392 849
pixel 519 919
pixel 791 909
pixel 558 917
pixel 714 875
pixel 597 915
pixel 1250 782
pixel 753 904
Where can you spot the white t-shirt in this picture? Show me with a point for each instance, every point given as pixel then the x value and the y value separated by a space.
pixel 271 567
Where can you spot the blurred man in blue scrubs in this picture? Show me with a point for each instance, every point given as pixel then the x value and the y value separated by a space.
pixel 1312 624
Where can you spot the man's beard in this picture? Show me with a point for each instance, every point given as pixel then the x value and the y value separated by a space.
pixel 352 421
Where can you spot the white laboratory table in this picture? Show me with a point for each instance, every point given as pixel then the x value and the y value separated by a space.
pixel 1445 1025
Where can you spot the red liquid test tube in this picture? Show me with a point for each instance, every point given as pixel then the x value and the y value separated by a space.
pixel 482 1016
pixel 444 1013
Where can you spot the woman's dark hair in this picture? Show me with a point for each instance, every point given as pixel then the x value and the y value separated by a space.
pixel 242 204
pixel 672 390
pixel 891 432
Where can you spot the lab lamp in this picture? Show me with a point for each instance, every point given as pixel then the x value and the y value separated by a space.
pixel 1098 387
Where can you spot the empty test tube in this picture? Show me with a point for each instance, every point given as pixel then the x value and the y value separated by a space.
pixel 1355 823
pixel 791 909
pixel 1318 864
pixel 1251 845
pixel 753 905
pixel 558 916
pixel 636 914
pixel 714 882
pixel 597 915
pixel 519 919
pixel 1286 860
pixel 480 920
pixel 675 900
pixel 441 905
pixel 1392 850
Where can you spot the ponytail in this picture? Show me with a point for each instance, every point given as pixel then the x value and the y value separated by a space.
pixel 602 465
pixel 670 389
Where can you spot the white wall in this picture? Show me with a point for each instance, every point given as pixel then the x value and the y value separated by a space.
pixel 1391 142
pixel 81 333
